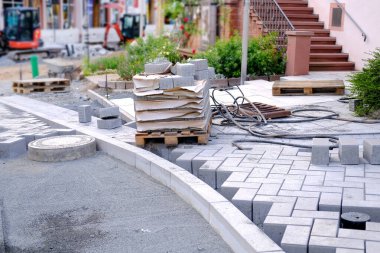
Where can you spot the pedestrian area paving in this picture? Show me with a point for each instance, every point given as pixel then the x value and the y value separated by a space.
pixel 297 204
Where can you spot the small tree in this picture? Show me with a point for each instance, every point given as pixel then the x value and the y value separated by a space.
pixel 366 85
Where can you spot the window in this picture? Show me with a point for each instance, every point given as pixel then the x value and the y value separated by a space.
pixel 336 16
pixel 68 14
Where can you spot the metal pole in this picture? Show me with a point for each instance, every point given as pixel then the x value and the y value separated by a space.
pixel 142 20
pixel 245 42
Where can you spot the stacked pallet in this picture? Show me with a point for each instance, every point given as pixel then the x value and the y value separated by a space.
pixel 170 107
pixel 41 85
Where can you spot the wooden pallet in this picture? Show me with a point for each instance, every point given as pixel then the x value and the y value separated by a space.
pixel 45 82
pixel 27 90
pixel 308 87
pixel 171 138
pixel 269 111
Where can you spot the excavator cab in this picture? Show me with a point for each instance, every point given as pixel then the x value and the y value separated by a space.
pixel 22 28
pixel 130 26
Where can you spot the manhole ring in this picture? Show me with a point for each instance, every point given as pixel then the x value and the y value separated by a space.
pixel 61 148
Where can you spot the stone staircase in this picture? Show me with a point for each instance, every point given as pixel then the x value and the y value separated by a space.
pixel 325 54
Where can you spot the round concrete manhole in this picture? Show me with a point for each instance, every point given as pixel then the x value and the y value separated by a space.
pixel 61 148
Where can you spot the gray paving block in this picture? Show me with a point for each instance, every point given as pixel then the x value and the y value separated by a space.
pixel 243 201
pixel 325 227
pixel 181 81
pixel 296 239
pixel 348 151
pixel 211 73
pixel 157 68
pixel 208 176
pixel 371 151
pixel 185 161
pixel 185 69
pixel 310 204
pixel 201 75
pixel 372 226
pixel 109 123
pixel 84 113
pixel 321 244
pixel 109 112
pixel 330 201
pixel 342 250
pixel 359 234
pixel 281 209
pixel 166 83
pixel 13 147
pixel 316 214
pixel 200 64
pixel 353 103
pixel 320 151
pixel 372 247
pixel 229 189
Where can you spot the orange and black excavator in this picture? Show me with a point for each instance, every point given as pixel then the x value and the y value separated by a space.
pixel 22 33
pixel 130 26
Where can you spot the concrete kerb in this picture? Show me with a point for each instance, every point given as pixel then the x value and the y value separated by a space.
pixel 237 230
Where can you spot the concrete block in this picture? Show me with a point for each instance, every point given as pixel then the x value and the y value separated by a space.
pixel 372 247
pixel 321 244
pixel 281 209
pixel 348 151
pixel 325 227
pixel 243 201
pixel 310 204
pixel 208 176
pixel 181 81
pixel 353 103
pixel 185 69
pixel 166 83
pixel 201 75
pixel 200 64
pixel 185 161
pixel 157 68
pixel 109 123
pixel 342 250
pixel 292 184
pixel 109 112
pixel 371 151
pixel 330 202
pixel 229 189
pixel 372 226
pixel 359 234
pixel 211 73
pixel 274 226
pixel 296 239
pixel 84 113
pixel 320 151
pixel 269 189
pixel 13 147
pixel 316 214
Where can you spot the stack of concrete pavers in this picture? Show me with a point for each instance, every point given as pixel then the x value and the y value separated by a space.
pixel 348 151
pixel 109 118
pixel 172 102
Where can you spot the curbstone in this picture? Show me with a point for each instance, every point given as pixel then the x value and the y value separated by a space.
pixel 371 151
pixel 109 123
pixel 13 147
pixel 348 151
pixel 320 151
pixel 66 131
pixel 109 112
pixel 84 113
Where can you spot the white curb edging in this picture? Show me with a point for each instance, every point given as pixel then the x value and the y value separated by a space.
pixel 235 229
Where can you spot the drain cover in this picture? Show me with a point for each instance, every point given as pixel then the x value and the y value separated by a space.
pixel 354 220
pixel 61 148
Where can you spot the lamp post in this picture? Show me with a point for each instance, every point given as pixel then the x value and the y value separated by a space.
pixel 245 42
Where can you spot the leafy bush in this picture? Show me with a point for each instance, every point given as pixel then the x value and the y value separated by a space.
pixel 264 58
pixel 102 64
pixel 143 51
pixel 366 85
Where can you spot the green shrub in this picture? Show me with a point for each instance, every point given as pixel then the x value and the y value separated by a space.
pixel 102 64
pixel 264 58
pixel 143 51
pixel 366 85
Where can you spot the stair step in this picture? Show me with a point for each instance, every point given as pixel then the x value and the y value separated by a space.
pixel 328 57
pixel 308 25
pixel 331 66
pixel 323 40
pixel 298 10
pixel 290 3
pixel 318 32
pixel 325 49
pixel 303 17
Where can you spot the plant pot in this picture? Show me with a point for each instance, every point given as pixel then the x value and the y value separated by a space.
pixel 234 81
pixel 219 83
pixel 252 78
pixel 273 78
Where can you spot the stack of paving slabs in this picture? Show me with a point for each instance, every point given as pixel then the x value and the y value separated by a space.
pixel 178 108
pixel 109 118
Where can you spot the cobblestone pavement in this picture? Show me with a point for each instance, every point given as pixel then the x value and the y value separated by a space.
pixel 297 204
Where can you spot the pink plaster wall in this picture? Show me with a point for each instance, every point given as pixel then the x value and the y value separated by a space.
pixel 366 13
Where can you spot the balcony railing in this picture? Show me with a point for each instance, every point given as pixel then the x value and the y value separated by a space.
pixel 273 18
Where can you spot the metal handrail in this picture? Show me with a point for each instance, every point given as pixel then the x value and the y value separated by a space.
pixel 352 19
pixel 273 18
